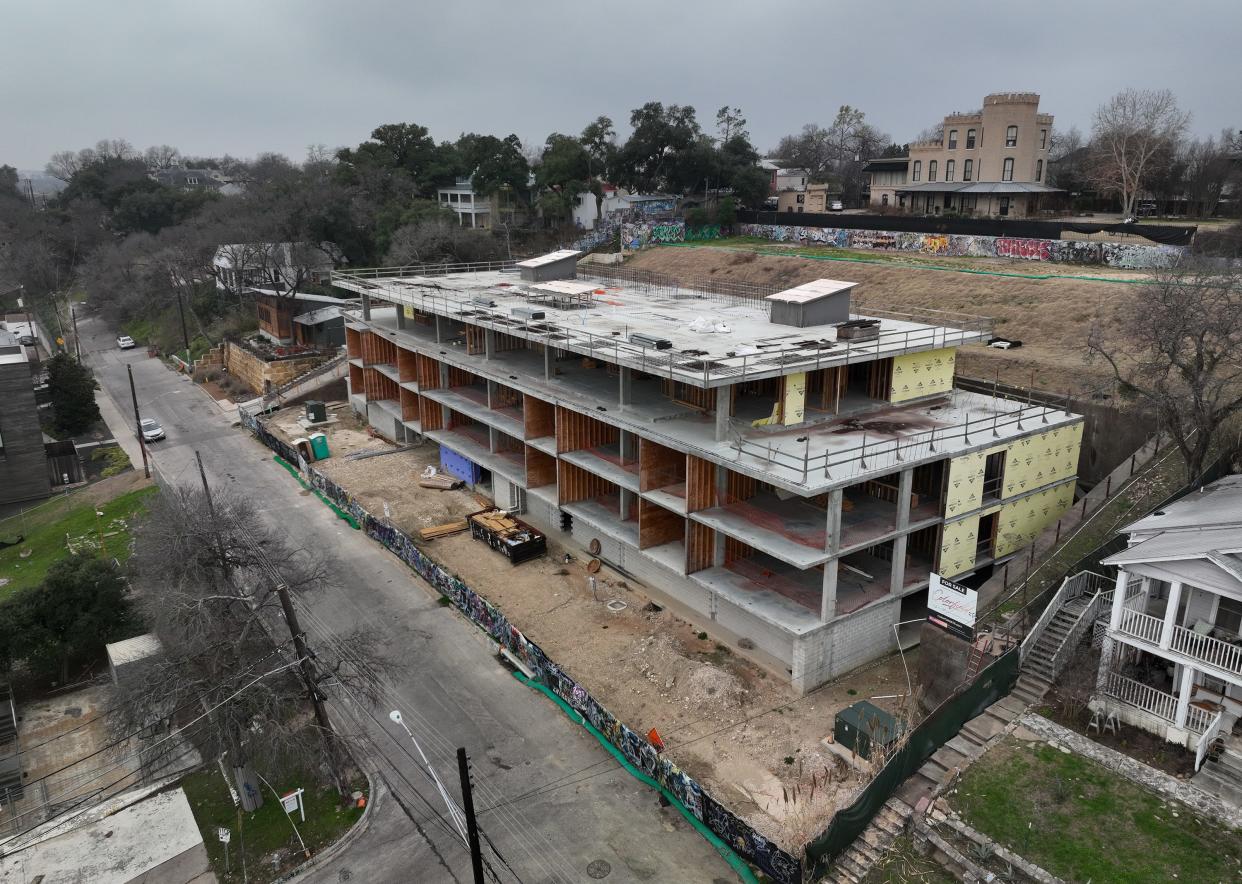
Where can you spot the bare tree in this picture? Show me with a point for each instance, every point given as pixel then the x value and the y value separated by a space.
pixel 1209 168
pixel 1128 132
pixel 1176 345
pixel 206 588
pixel 161 156
pixel 67 163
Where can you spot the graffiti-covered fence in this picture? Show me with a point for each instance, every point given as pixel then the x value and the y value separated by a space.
pixel 768 856
pixel 1055 251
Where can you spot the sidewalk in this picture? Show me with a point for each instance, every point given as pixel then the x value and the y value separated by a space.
pixel 122 429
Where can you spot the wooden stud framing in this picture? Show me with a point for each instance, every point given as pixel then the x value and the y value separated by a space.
pixel 428 370
pixel 700 484
pixel 407 365
pixel 576 431
pixel 409 405
pixel 353 343
pixel 700 547
pixel 540 468
pixel 431 416
pixel 575 484
pixel 657 526
pixel 659 466
pixel 538 417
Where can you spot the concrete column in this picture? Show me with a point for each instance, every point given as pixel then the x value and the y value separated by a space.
pixel 491 439
pixel 626 503
pixel 1183 695
pixel 898 579
pixel 627 445
pixel 489 343
pixel 722 482
pixel 366 306
pixel 828 598
pixel 904 483
pixel 491 394
pixel 400 316
pixel 1119 599
pixel 444 378
pixel 624 387
pixel 438 320
pixel 1170 615
pixel 828 594
pixel 547 362
pixel 722 413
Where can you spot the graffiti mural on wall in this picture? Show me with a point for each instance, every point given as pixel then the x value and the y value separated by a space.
pixel 775 862
pixel 704 233
pixel 1130 256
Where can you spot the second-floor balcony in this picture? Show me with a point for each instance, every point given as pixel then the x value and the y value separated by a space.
pixel 1204 646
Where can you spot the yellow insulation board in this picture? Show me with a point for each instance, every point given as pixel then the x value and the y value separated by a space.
pixel 965 492
pixel 923 374
pixel 1023 520
pixel 794 411
pixel 958 541
pixel 1042 459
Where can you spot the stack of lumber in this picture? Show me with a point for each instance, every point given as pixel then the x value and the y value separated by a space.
pixel 496 520
pixel 444 530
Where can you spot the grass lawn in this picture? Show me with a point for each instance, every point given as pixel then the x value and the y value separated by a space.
pixel 266 832
pixel 1088 823
pixel 902 864
pixel 46 527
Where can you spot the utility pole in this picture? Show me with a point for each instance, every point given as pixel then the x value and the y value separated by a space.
pixel 142 444
pixel 472 825
pixel 308 675
pixel 77 342
pixel 184 334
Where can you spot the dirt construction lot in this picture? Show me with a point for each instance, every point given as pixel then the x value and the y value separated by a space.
pixel 1052 317
pixel 742 733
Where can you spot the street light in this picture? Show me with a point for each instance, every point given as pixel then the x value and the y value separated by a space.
pixel 453 810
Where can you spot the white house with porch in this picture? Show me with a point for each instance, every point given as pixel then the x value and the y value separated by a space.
pixel 1172 654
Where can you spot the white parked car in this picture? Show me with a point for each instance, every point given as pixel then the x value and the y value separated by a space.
pixel 125 342
pixel 151 430
pixel 836 206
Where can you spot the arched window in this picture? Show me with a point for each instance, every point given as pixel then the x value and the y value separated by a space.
pixel 917 174
pixel 1011 136
pixel 1039 170
pixel 970 139
pixel 952 139
pixel 949 169
pixel 968 169
pixel 931 171
pixel 1007 172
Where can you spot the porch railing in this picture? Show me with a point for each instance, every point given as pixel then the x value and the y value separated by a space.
pixel 1142 626
pixel 1203 649
pixel 1153 700
pixel 1210 733
pixel 1206 649
pixel 1142 696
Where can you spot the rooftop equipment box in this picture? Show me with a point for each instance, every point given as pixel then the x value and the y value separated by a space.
pixel 860 726
pixel 554 265
pixel 822 302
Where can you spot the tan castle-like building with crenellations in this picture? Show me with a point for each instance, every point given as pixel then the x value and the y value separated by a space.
pixel 991 162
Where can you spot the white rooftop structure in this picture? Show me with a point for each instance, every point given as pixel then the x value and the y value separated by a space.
pixel 812 291
pixel 550 258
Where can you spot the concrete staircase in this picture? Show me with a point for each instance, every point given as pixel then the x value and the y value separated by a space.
pixel 1040 660
pixel 1222 777
pixel 852 866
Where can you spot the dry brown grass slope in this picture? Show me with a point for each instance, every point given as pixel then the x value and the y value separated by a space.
pixel 1050 316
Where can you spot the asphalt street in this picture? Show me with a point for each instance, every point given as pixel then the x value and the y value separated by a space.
pixel 600 824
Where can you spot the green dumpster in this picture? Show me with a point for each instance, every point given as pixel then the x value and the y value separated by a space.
pixel 319 445
pixel 863 725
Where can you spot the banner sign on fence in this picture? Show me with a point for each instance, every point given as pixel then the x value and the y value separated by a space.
pixel 952 607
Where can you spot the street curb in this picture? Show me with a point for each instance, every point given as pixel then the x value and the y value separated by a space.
pixel 227 412
pixel 354 832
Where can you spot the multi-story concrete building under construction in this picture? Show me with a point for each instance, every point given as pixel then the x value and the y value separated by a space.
pixel 778 466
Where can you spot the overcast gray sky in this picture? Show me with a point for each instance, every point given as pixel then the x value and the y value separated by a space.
pixel 247 76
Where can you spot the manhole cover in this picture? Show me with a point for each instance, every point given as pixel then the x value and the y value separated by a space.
pixel 599 869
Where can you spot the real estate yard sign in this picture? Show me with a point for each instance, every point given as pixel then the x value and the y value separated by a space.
pixel 952 607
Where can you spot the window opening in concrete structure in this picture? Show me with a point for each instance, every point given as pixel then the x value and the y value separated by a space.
pixel 927 485
pixel 540 468
pixel 869 510
pixel 539 418
pixel 994 475
pixel 749 570
pixel 872 381
pixel 662 471
pixel 511 450
pixel 987 536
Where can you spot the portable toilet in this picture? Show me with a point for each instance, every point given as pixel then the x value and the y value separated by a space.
pixel 319 445
pixel 303 447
